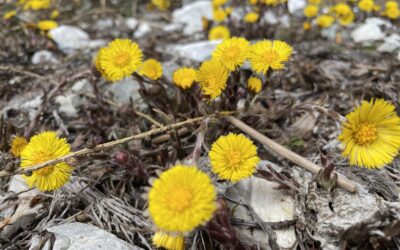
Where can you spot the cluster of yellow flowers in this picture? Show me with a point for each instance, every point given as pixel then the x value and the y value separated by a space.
pixel 121 58
pixel 183 197
pixel 222 12
pixel 344 12
pixel 231 54
pixel 43 147
pixel 36 5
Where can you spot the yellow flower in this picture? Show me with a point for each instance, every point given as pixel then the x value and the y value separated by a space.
pixel 219 15
pixel 54 14
pixel 219 32
pixel 271 2
pixel 391 4
pixel 47 25
pixel 151 69
pixel 17 145
pixel 366 5
pixel 217 3
pixel 232 52
pixel 269 54
pixel 119 59
pixel 342 9
pixel 36 4
pixel 254 84
pixel 347 19
pixel 311 10
pixel 371 134
pixel 228 10
pixel 315 2
pixel 306 25
pixel 181 199
pixel 44 147
pixel 251 17
pixel 161 4
pixel 233 157
pixel 184 77
pixel 9 14
pixel 168 241
pixel 212 76
pixel 325 21
pixel 253 2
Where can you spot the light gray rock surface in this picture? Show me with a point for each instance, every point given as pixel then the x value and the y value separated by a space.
pixel 43 56
pixel 197 51
pixel 367 32
pixel 71 38
pixel 79 236
pixel 124 90
pixel 190 16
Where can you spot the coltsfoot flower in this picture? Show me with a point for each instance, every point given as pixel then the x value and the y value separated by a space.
pixel 184 77
pixel 119 59
pixel 181 199
pixel 212 76
pixel 269 54
pixel 17 145
pixel 169 241
pixel 233 157
pixel 251 17
pixel 151 69
pixel 44 147
pixel 311 10
pixel 219 33
pixel 232 52
pixel 254 84
pixel 47 25
pixel 371 134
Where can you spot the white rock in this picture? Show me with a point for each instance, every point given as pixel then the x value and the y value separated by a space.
pixel 296 6
pixel 71 38
pixel 43 56
pixel 197 51
pixel 190 16
pixel 390 44
pixel 257 193
pixel 124 90
pixel 82 85
pixel 131 23
pixel 68 104
pixel 25 212
pixel 378 21
pixel 104 23
pixel 367 32
pixel 32 105
pixel 270 17
pixel 79 236
pixel 284 21
pixel 142 30
pixel 330 33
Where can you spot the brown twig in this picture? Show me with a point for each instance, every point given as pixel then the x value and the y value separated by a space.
pixel 343 182
pixel 100 147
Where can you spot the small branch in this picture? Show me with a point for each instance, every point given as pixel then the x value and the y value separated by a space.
pixel 343 182
pixel 111 144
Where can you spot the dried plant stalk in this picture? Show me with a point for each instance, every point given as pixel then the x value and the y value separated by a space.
pixel 343 182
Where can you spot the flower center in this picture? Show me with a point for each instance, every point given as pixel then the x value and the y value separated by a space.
pixel 122 59
pixel 232 53
pixel 270 57
pixel 366 134
pixel 42 157
pixel 234 158
pixel 180 199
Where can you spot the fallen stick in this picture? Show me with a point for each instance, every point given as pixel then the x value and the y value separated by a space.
pixel 343 182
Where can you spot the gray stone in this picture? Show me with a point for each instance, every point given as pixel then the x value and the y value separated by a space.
pixel 68 104
pixel 43 56
pixel 197 51
pixel 367 32
pixel 296 6
pixel 79 236
pixel 390 44
pixel 143 29
pixel 131 23
pixel 190 16
pixel 71 38
pixel 257 192
pixel 124 90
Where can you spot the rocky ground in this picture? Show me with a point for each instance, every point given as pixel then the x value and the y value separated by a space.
pixel 47 84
